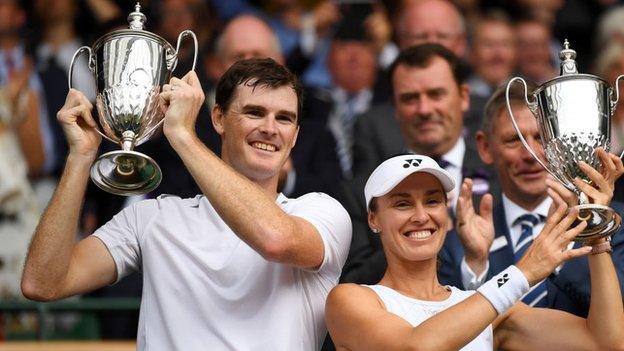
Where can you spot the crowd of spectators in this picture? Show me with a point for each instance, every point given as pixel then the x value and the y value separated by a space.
pixel 343 52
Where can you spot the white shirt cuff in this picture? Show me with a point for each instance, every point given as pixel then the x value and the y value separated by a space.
pixel 469 278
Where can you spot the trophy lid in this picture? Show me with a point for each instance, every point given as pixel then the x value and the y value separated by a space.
pixel 137 19
pixel 568 59
pixel 569 70
pixel 136 28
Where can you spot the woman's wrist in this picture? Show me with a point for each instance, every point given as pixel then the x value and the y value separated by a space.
pixel 505 288
pixel 599 246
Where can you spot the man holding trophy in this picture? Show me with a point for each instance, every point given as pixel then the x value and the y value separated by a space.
pixel 238 267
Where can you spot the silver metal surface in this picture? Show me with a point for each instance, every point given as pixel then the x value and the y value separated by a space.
pixel 574 117
pixel 573 114
pixel 130 67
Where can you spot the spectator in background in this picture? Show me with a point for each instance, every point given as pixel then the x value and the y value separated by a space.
pixel 21 154
pixel 610 28
pixel 244 37
pixel 609 65
pixel 535 60
pixel 492 54
pixel 21 150
pixel 175 16
pixel 429 21
pixel 432 21
pixel 323 156
pixel 58 43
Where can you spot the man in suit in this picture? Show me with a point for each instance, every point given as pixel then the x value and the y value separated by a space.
pixel 470 256
pixel 430 98
pixel 323 155
pixel 430 21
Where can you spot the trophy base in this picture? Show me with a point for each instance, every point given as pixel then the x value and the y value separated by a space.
pixel 126 173
pixel 602 221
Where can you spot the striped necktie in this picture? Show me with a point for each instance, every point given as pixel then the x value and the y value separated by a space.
pixel 536 297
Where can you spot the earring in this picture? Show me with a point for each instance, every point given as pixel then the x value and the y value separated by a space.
pixel 375 230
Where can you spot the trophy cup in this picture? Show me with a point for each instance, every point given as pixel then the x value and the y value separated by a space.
pixel 573 114
pixel 130 66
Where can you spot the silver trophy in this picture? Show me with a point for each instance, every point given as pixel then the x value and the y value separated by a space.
pixel 130 67
pixel 573 114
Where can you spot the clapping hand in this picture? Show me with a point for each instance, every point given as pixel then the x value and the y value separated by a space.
pixel 475 230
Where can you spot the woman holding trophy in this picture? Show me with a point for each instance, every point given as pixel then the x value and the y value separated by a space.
pixel 409 309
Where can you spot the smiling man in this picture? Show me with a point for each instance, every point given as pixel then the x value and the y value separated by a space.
pixel 239 267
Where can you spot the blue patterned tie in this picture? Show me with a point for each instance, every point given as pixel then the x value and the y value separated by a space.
pixel 536 297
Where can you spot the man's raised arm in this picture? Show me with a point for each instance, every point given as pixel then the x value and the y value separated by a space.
pixel 57 266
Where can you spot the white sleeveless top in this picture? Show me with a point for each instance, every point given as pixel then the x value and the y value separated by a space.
pixel 417 311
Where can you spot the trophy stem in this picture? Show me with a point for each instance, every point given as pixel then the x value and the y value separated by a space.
pixel 127 141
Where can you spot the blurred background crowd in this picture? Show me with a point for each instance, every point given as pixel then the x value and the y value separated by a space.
pixel 342 51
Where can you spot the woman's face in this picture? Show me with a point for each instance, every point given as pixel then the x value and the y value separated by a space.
pixel 412 218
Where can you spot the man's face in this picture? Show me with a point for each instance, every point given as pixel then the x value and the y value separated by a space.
pixel 432 22
pixel 352 65
pixel 11 17
pixel 259 130
pixel 53 11
pixel 521 177
pixel 494 52
pixel 177 16
pixel 429 106
pixel 248 38
pixel 533 48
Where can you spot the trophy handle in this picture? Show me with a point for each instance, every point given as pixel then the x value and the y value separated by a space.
pixel 533 107
pixel 91 67
pixel 180 37
pixel 73 61
pixel 617 98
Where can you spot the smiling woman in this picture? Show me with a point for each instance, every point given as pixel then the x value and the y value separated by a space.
pixel 410 310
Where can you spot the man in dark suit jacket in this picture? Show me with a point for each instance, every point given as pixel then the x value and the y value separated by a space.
pixel 472 255
pixel 323 154
pixel 430 99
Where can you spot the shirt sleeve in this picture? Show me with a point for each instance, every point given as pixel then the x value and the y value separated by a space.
pixel 121 236
pixel 469 278
pixel 332 222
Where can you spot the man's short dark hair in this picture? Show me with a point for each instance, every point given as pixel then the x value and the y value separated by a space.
pixel 256 72
pixel 498 102
pixel 420 56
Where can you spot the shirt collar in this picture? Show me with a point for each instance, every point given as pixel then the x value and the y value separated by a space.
pixel 455 156
pixel 513 210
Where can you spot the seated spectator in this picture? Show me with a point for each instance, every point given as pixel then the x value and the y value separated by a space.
pixel 492 54
pixel 535 57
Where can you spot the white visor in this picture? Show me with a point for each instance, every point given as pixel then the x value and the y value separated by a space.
pixel 393 170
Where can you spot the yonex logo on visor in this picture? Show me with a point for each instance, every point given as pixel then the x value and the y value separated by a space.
pixel 415 162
